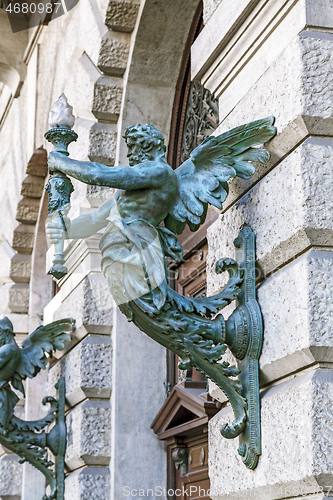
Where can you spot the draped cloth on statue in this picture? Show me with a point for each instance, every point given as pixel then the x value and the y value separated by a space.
pixel 133 260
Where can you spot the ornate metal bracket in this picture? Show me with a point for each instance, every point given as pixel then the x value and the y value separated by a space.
pixel 244 334
pixel 29 440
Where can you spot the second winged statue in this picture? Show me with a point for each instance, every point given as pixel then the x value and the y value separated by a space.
pixel 152 204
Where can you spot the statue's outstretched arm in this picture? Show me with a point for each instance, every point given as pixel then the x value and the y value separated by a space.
pixel 82 227
pixel 96 174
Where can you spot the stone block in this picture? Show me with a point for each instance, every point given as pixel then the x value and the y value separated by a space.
pixel 23 238
pixel 96 195
pixel 290 210
pixel 297 456
pixel 27 210
pixel 102 144
pixel 121 15
pixel 88 434
pixel 89 483
pixel 38 163
pixel 87 370
pixel 14 298
pixel 297 307
pixel 113 54
pixel 32 186
pixel 107 98
pixel 20 268
pixel 90 304
pixel 301 70
pixel 10 477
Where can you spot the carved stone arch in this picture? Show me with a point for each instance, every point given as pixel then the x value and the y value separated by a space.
pixel 154 64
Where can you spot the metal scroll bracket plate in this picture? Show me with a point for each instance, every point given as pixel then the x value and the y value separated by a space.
pixel 29 440
pixel 247 325
pixel 56 440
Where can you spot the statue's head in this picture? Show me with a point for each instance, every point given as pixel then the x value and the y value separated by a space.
pixel 6 331
pixel 143 142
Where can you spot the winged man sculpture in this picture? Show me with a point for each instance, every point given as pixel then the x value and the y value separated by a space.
pixel 152 204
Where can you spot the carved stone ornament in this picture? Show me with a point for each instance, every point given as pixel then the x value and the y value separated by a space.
pixel 135 245
pixel 28 439
pixel 201 118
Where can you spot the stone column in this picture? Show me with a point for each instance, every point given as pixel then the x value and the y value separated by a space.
pixel 276 59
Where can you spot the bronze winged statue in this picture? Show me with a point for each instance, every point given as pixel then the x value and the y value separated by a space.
pixel 152 204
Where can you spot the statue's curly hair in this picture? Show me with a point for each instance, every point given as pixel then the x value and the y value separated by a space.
pixel 147 136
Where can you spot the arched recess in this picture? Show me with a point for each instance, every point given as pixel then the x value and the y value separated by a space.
pixel 155 60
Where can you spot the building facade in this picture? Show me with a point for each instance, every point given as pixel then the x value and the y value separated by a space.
pixel 122 62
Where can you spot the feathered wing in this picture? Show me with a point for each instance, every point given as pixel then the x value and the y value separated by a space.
pixel 203 178
pixel 44 340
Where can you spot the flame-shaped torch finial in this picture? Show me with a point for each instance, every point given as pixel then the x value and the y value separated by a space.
pixel 61 113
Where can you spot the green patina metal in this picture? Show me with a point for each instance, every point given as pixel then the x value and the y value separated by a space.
pixel 28 439
pixel 135 245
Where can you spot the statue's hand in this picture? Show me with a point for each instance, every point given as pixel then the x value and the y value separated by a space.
pixel 53 160
pixel 54 230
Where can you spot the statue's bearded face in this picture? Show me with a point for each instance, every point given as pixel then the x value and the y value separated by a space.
pixel 137 153
pixel 144 143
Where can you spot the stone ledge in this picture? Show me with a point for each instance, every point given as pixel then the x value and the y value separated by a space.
pixel 88 434
pixel 296 444
pixel 89 483
pixel 87 370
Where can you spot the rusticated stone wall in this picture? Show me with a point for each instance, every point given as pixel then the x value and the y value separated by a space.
pixel 288 203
